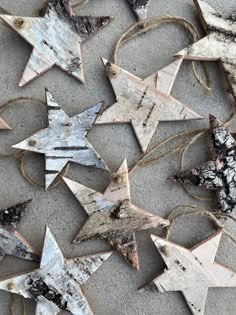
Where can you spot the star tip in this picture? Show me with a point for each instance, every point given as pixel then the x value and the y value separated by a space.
pixel 153 237
pixel 22 83
pixel 104 60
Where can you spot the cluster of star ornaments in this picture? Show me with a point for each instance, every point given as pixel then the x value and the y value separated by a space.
pixel 56 39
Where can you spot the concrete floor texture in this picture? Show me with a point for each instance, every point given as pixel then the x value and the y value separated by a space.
pixel 113 288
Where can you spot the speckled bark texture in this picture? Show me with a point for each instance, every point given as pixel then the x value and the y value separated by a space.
pixel 112 216
pixel 64 140
pixel 193 271
pixel 220 173
pixel 56 38
pixel 144 103
pixel 56 285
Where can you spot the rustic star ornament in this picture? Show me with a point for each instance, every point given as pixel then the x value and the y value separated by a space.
pixel 64 140
pixel 56 38
pixel 219 44
pixel 56 285
pixel 192 271
pixel 140 8
pixel 144 103
pixel 11 242
pixel 218 174
pixel 112 216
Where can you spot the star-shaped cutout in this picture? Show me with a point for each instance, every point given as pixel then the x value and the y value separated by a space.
pixel 112 216
pixel 56 38
pixel 144 103
pixel 219 44
pixel 56 285
pixel 11 242
pixel 4 125
pixel 192 271
pixel 140 8
pixel 218 174
pixel 64 140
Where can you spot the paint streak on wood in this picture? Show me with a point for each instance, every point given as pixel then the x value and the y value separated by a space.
pixel 140 8
pixel 64 140
pixel 56 39
pixel 56 285
pixel 144 103
pixel 220 173
pixel 220 43
pixel 192 271
pixel 112 216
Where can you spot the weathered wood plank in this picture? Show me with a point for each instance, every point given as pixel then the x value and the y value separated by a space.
pixel 112 216
pixel 220 173
pixel 56 38
pixel 56 285
pixel 192 271
pixel 64 140
pixel 144 103
pixel 219 44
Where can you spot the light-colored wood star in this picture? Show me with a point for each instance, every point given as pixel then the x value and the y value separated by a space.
pixel 56 38
pixel 56 285
pixel 192 271
pixel 12 243
pixel 139 7
pixel 219 44
pixel 112 216
pixel 144 103
pixel 218 174
pixel 64 140
pixel 4 125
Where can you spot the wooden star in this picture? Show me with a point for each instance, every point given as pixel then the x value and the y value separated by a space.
pixel 64 140
pixel 4 125
pixel 11 242
pixel 112 216
pixel 144 103
pixel 192 271
pixel 219 44
pixel 56 38
pixel 218 174
pixel 56 285
pixel 139 7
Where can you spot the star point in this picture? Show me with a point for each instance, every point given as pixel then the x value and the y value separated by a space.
pixel 219 44
pixel 219 174
pixel 112 216
pixel 192 271
pixel 56 285
pixel 64 140
pixel 144 103
pixel 140 8
pixel 56 39
pixel 4 125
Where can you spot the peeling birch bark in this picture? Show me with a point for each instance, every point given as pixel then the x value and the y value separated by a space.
pixel 220 43
pixel 56 285
pixel 144 103
pixel 112 216
pixel 56 38
pixel 12 243
pixel 140 8
pixel 192 271
pixel 64 140
pixel 220 173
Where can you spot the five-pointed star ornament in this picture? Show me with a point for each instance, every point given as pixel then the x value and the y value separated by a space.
pixel 11 242
pixel 112 216
pixel 219 44
pixel 56 285
pixel 139 7
pixel 218 174
pixel 144 103
pixel 64 140
pixel 56 38
pixel 192 271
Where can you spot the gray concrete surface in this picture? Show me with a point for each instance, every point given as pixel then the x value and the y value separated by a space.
pixel 113 289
